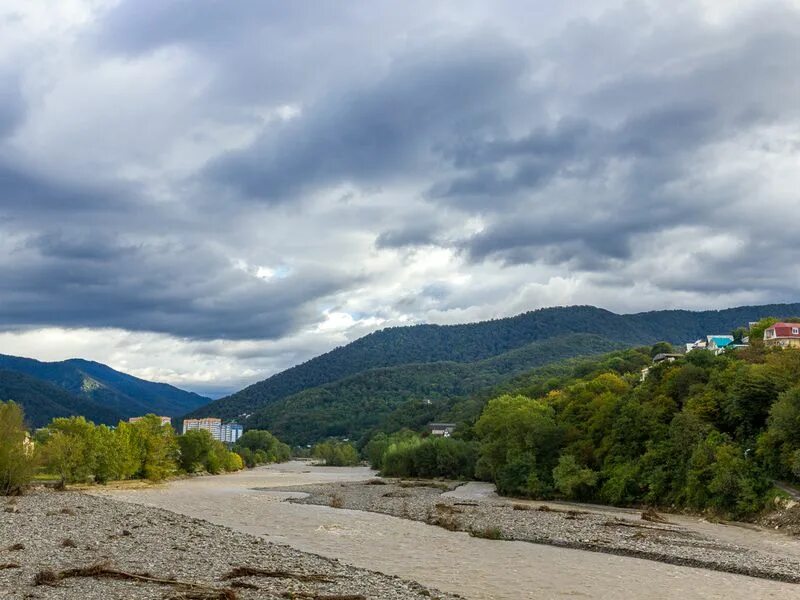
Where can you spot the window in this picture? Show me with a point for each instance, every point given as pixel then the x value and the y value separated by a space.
pixel 795 331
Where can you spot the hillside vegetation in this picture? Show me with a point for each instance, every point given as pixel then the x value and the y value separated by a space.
pixel 324 390
pixel 705 432
pixel 93 387
pixel 43 401
pixel 408 395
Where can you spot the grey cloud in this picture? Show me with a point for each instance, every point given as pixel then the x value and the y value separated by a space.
pixel 412 234
pixel 385 132
pixel 169 287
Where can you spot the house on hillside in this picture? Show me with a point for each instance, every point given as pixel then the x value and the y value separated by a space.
pixel 442 429
pixel 718 343
pixel 782 335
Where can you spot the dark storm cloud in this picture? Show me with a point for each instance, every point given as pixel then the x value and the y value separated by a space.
pixel 411 234
pixel 185 290
pixel 12 106
pixel 24 191
pixel 383 133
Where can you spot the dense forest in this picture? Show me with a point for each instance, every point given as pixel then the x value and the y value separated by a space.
pixel 91 389
pixel 474 342
pixel 44 401
pixel 408 395
pixel 705 432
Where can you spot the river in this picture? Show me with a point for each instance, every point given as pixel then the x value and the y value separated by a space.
pixel 478 569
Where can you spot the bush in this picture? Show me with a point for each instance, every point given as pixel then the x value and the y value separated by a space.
pixel 572 480
pixel 258 447
pixel 16 464
pixel 430 457
pixel 336 454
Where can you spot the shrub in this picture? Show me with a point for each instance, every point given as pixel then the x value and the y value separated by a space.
pixel 16 464
pixel 336 454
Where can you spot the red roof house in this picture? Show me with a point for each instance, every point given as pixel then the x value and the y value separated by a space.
pixel 783 335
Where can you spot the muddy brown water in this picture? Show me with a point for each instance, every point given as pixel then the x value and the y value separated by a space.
pixel 476 568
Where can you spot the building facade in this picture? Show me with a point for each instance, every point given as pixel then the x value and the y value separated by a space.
pixel 231 432
pixel 442 429
pixel 210 424
pixel 223 432
pixel 782 335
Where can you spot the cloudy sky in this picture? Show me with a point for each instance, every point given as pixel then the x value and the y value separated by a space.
pixel 205 192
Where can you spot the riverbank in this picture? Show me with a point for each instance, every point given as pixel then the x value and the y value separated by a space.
pixel 451 561
pixel 70 545
pixel 648 536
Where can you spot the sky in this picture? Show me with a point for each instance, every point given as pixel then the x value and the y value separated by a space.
pixel 206 192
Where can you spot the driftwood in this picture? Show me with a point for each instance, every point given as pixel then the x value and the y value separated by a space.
pixel 196 591
pixel 256 572
pixel 312 596
pixel 4 566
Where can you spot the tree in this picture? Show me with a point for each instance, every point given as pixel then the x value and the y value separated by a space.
pixel 16 464
pixel 257 446
pixel 573 480
pixel 336 454
pixel 519 444
pixel 156 447
pixel 70 449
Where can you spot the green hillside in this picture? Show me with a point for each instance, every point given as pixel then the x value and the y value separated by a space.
pixel 354 406
pixel 469 343
pixel 43 401
pixel 117 392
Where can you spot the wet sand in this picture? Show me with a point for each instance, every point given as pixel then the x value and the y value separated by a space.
pixel 451 561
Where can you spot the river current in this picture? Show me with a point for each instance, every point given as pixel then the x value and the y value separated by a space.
pixel 475 568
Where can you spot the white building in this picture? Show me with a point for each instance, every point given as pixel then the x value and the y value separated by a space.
pixel 223 432
pixel 231 432
pixel 210 424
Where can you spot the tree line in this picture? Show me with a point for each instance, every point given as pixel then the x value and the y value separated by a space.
pixel 706 432
pixel 75 450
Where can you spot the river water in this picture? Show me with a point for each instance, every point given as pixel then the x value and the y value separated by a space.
pixel 476 568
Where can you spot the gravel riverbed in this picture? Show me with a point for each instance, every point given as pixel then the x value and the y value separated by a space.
pixel 582 529
pixel 71 545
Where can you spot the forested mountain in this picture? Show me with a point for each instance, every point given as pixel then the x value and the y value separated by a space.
pixel 469 343
pixel 43 401
pixel 120 394
pixel 353 406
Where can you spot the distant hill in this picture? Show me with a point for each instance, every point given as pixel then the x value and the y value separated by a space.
pixel 471 343
pixel 353 406
pixel 118 393
pixel 43 401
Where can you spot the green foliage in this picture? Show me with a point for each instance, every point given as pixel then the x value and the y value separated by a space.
pixel 16 464
pixel 574 481
pixel 76 450
pixel 469 343
pixel 409 396
pixel 705 432
pixel 429 457
pixel 257 447
pixel 43 401
pixel 335 453
pixel 519 444
pixel 199 452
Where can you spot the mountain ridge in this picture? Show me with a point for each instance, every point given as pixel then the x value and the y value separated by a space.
pixel 120 393
pixel 469 342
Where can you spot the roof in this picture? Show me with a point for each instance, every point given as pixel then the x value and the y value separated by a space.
pixel 784 330
pixel 664 356
pixel 720 341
